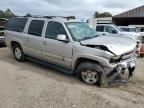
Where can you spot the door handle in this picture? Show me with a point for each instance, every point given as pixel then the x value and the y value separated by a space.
pixel 44 42
pixel 104 34
pixel 28 39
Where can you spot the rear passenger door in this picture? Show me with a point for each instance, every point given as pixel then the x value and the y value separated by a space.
pixel 55 51
pixel 33 38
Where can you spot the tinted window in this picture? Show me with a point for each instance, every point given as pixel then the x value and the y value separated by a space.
pixel 16 24
pixel 36 27
pixel 54 29
pixel 100 28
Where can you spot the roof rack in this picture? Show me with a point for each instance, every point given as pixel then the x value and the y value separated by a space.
pixel 51 17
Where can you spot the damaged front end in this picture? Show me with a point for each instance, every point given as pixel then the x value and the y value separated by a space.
pixel 121 69
pixel 120 53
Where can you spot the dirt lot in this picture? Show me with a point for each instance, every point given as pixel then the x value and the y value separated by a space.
pixel 29 85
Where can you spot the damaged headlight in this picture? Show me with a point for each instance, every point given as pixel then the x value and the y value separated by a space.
pixel 115 59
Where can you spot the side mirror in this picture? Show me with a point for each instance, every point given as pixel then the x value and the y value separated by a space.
pixel 62 37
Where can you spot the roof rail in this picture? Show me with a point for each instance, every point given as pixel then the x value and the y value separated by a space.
pixel 51 17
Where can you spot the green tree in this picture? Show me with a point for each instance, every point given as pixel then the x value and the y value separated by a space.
pixel 28 15
pixel 104 14
pixel 1 14
pixel 8 14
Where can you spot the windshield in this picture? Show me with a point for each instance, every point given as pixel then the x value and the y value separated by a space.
pixel 80 30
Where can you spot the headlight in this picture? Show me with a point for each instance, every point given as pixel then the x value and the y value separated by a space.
pixel 115 59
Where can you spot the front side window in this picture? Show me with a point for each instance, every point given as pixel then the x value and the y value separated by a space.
pixel 16 24
pixel 110 29
pixel 80 30
pixel 36 27
pixel 54 29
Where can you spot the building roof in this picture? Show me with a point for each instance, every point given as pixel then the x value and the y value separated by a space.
pixel 137 12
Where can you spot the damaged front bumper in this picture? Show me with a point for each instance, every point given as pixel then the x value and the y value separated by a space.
pixel 119 72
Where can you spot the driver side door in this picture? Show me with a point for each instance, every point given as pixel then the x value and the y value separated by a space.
pixel 53 50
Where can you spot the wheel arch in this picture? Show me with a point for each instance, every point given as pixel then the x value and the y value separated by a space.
pixel 13 43
pixel 82 59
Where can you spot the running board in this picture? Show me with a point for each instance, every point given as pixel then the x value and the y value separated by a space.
pixel 53 66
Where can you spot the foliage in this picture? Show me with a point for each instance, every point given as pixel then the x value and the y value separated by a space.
pixel 104 14
pixel 6 14
pixel 28 15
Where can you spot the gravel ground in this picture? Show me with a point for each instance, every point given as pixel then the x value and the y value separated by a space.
pixel 30 85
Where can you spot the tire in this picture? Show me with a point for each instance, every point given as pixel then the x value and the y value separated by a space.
pixel 90 72
pixel 131 71
pixel 18 53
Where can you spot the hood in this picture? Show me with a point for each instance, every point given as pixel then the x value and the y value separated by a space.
pixel 116 45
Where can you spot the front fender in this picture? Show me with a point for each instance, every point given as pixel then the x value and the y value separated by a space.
pixel 100 60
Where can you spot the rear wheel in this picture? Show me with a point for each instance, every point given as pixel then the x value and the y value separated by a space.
pixel 18 53
pixel 89 72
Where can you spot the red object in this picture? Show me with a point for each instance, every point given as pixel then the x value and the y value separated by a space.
pixel 142 51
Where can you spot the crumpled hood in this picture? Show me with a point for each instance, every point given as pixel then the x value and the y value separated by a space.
pixel 117 45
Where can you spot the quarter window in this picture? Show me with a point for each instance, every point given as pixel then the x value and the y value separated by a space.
pixel 36 27
pixel 54 29
pixel 16 24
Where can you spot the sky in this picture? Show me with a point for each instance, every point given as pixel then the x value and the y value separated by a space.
pixel 80 8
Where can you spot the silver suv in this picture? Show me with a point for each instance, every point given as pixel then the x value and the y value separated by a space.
pixel 72 46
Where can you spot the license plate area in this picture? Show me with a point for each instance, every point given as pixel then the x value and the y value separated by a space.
pixel 131 64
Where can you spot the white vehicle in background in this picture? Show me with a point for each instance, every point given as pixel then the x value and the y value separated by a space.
pixel 134 29
pixel 94 21
pixel 129 29
pixel 111 29
pixel 140 29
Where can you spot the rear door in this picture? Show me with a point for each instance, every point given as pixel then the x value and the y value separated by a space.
pixel 33 38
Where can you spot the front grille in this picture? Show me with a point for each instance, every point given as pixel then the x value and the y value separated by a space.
pixel 128 55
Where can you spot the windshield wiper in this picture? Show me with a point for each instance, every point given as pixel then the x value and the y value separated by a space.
pixel 85 38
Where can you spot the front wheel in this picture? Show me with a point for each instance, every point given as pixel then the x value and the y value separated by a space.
pixel 89 72
pixel 18 53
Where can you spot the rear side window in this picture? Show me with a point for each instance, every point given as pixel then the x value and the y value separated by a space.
pixel 100 28
pixel 36 27
pixel 54 29
pixel 16 24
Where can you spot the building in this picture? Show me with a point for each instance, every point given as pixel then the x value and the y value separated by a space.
pixel 94 21
pixel 131 17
